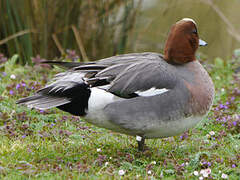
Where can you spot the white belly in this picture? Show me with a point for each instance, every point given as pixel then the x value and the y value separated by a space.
pixel 173 128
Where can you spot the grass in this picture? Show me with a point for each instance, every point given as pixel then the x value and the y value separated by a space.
pixel 55 145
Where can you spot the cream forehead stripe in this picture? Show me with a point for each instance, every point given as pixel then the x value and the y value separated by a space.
pixel 188 19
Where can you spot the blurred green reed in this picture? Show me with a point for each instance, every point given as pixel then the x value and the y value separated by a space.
pixel 95 29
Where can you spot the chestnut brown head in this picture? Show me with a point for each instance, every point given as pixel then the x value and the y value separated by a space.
pixel 182 42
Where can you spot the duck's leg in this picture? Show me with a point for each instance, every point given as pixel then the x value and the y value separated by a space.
pixel 140 141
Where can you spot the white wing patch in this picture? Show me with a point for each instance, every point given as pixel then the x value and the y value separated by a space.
pixel 151 92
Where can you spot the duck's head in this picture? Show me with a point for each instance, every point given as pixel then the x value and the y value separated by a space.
pixel 182 42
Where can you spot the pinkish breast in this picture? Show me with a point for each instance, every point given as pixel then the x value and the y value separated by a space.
pixel 201 89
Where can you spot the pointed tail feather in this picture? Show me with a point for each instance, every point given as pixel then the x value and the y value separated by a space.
pixel 66 65
pixel 43 102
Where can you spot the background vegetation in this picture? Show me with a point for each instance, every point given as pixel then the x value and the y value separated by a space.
pixel 217 22
pixel 97 29
pixel 94 29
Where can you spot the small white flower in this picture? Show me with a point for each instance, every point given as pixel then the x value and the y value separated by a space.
pixel 13 76
pixel 222 89
pixel 224 176
pixel 235 116
pixel 205 175
pixel 212 133
pixel 138 138
pixel 121 172
pixel 186 163
pixel 110 157
pixel 106 163
pixel 99 150
pixel 154 162
pixel 208 171
pixel 205 172
pixel 149 172
pixel 196 173
pixel 200 178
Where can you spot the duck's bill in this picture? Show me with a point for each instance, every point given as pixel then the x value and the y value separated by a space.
pixel 202 43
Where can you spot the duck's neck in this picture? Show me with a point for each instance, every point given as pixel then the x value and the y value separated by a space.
pixel 174 58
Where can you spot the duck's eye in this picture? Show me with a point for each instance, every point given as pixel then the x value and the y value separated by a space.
pixel 194 31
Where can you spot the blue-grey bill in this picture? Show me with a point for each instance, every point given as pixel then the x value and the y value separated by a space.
pixel 202 43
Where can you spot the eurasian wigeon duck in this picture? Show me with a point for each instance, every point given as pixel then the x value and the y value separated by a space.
pixel 147 95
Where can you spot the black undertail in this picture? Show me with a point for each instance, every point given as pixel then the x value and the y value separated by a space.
pixel 79 101
pixel 73 99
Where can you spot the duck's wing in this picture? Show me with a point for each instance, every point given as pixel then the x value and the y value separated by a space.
pixel 130 78
pixel 123 75
pixel 141 77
